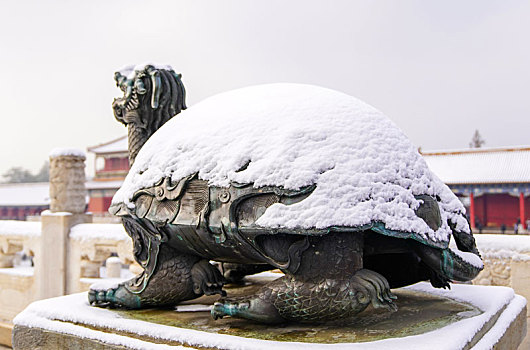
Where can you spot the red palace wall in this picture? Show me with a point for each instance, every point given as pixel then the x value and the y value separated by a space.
pixel 99 204
pixel 497 209
pixel 116 163
pixel 527 208
pixel 20 213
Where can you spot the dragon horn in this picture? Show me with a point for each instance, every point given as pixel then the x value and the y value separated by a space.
pixel 156 82
pixel 118 78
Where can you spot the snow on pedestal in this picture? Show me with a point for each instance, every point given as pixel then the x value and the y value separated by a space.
pixel 59 152
pixel 499 323
pixel 364 167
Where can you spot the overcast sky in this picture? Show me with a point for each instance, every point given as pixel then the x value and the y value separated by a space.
pixel 439 69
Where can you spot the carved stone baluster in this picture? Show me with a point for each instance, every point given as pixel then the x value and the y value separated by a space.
pixel 113 267
pixel 93 258
pixel 8 249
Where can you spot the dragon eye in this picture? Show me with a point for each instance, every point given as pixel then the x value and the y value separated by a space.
pixel 140 87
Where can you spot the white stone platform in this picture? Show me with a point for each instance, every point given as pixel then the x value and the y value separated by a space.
pixel 69 322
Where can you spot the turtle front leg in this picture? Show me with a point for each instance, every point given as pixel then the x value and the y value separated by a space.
pixel 168 277
pixel 175 279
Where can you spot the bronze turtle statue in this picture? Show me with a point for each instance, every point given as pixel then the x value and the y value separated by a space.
pixel 282 176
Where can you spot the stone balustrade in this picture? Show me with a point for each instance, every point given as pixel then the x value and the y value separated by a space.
pixel 506 262
pixel 87 248
pixel 90 246
pixel 17 287
pixel 17 236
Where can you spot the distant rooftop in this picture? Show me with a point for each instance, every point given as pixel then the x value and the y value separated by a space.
pixel 118 145
pixel 25 194
pixel 102 185
pixel 481 165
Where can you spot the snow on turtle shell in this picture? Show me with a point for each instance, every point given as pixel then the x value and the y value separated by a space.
pixel 365 169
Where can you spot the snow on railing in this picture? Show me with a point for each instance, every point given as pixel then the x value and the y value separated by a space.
pixel 17 236
pixel 94 232
pixel 19 228
pixel 19 243
pixel 90 246
pixel 514 247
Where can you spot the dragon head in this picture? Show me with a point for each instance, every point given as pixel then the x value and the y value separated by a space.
pixel 151 96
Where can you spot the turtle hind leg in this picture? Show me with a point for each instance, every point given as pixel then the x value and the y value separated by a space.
pixel 315 300
pixel 174 279
pixel 329 284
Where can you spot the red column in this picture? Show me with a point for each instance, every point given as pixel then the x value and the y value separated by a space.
pixel 472 210
pixel 521 209
pixel 484 222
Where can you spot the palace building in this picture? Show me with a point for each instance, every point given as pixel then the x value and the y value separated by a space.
pixel 20 200
pixel 493 183
pixel 111 167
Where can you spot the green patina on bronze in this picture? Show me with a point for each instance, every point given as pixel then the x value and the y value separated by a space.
pixel 177 227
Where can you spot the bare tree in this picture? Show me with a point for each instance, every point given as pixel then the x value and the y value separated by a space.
pixel 476 141
pixel 19 175
pixel 44 173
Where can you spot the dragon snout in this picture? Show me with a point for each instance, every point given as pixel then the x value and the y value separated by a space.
pixel 118 107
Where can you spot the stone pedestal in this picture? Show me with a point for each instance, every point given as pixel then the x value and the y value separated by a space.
pixel 465 317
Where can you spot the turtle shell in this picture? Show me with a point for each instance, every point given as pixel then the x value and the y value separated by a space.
pixel 364 172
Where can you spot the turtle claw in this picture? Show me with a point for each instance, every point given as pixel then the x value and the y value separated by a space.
pixel 255 309
pixel 207 279
pixel 218 311
pixel 114 297
pixel 377 287
pixel 228 308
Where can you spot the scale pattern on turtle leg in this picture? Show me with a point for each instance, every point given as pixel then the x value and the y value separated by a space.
pixel 324 299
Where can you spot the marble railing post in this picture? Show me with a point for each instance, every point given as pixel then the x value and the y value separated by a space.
pixel 67 208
